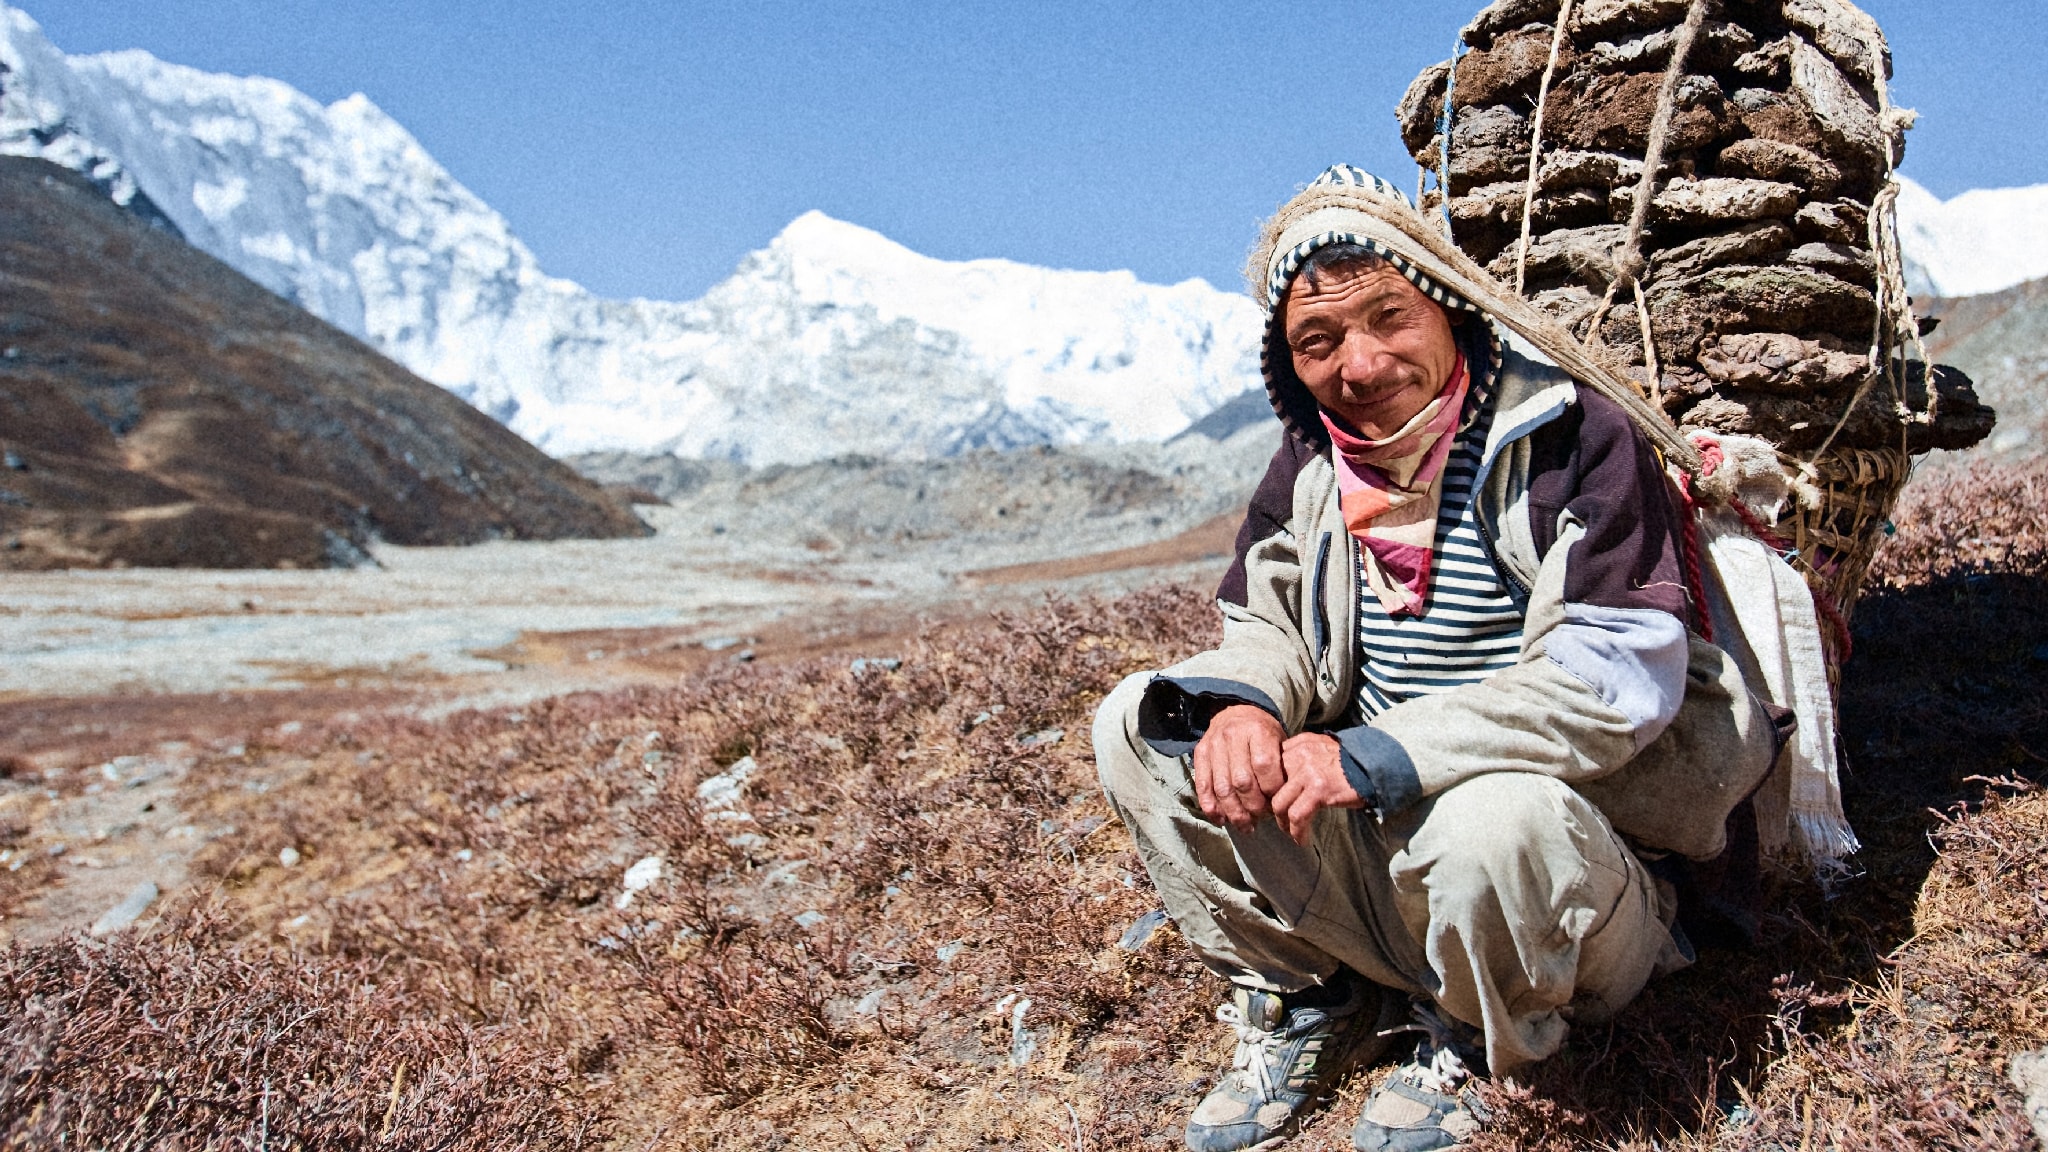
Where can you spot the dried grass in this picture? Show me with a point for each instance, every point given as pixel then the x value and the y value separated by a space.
pixel 190 1038
pixel 839 960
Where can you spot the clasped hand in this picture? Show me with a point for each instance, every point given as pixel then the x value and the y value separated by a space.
pixel 1246 767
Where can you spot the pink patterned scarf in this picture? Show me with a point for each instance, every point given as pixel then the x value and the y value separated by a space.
pixel 1390 489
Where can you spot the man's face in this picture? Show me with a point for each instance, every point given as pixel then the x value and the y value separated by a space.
pixel 1371 347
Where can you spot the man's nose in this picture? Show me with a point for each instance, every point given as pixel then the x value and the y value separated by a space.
pixel 1364 357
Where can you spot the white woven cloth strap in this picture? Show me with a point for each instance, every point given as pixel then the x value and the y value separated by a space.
pixel 1773 610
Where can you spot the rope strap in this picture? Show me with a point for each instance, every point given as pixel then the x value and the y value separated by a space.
pixel 1564 19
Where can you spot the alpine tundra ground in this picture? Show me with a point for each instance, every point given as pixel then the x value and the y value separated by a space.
pixel 809 902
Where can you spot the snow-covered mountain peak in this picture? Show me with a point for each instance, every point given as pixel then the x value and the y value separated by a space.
pixel 814 235
pixel 1984 240
pixel 831 339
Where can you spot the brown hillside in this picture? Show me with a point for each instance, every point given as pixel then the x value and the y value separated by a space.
pixel 157 408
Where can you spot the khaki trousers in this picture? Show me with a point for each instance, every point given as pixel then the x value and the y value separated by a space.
pixel 1508 899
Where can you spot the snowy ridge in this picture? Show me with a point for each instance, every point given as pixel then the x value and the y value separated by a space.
pixel 1985 240
pixel 832 340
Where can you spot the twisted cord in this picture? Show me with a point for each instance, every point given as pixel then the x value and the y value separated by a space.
pixel 1564 19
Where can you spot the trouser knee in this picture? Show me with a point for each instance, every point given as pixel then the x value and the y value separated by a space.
pixel 1493 830
pixel 1123 761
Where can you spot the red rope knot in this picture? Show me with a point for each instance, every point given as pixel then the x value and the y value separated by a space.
pixel 1711 459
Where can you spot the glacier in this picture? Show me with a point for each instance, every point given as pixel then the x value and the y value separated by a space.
pixel 1983 240
pixel 831 341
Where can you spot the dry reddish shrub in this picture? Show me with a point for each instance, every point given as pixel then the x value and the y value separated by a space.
pixel 474 862
pixel 1986 519
pixel 1921 1062
pixel 188 1039
pixel 947 870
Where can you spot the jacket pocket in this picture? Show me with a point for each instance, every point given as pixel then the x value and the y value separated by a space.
pixel 1320 630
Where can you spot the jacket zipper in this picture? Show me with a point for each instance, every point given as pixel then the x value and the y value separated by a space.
pixel 1322 624
pixel 1515 586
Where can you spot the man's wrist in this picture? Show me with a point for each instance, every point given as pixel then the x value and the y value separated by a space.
pixel 1378 767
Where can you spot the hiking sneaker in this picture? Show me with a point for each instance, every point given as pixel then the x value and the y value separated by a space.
pixel 1285 1060
pixel 1426 1104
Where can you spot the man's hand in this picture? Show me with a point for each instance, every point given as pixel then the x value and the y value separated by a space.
pixel 1314 766
pixel 1237 765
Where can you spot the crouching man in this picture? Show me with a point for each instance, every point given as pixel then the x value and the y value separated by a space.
pixel 1457 601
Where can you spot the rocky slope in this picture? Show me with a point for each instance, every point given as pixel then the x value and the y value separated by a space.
pixel 977 509
pixel 2001 340
pixel 832 340
pixel 159 408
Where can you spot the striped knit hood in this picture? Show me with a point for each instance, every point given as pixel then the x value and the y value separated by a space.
pixel 1349 205
pixel 1310 222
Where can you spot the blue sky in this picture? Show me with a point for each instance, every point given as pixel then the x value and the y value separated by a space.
pixel 642 147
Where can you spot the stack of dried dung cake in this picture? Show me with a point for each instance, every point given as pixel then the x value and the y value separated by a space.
pixel 1770 313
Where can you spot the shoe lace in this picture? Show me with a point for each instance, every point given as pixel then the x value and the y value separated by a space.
pixel 1437 1067
pixel 1256 1049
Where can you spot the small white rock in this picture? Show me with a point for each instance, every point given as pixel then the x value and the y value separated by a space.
pixel 127 911
pixel 723 790
pixel 288 856
pixel 642 874
pixel 2029 1072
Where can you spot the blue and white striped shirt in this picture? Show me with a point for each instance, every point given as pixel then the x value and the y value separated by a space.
pixel 1470 627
